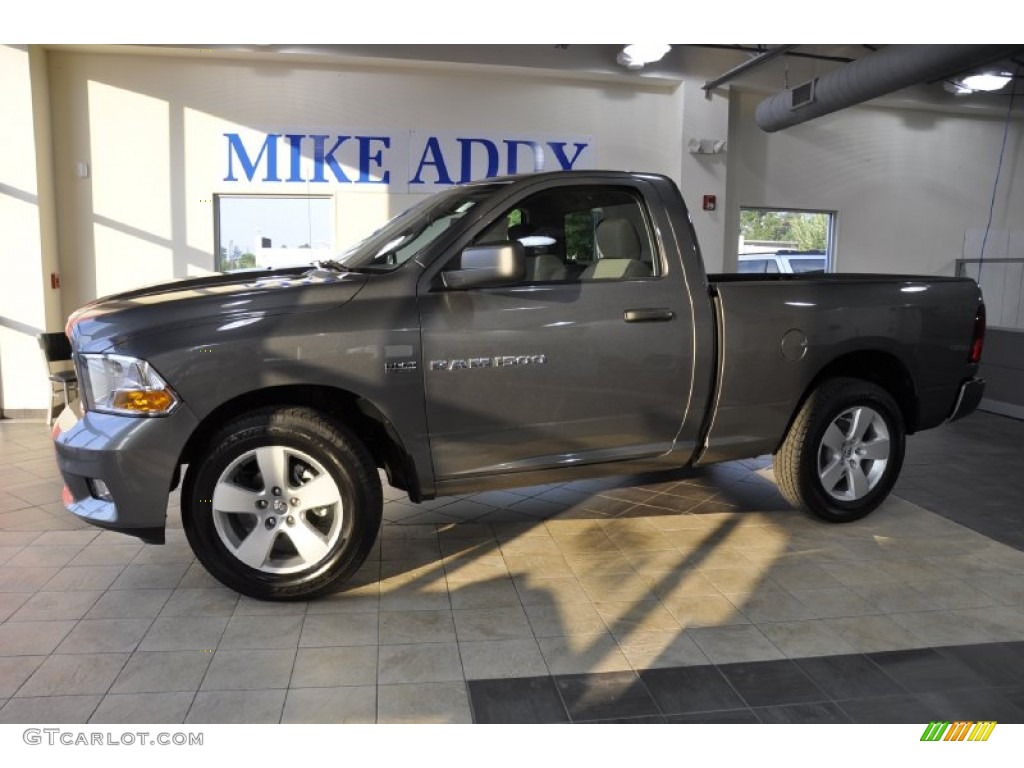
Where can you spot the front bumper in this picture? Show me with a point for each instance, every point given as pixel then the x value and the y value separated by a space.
pixel 136 458
pixel 971 392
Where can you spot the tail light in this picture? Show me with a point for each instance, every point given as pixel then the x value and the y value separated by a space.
pixel 979 335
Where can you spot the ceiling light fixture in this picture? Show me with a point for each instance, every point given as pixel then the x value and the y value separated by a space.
pixel 637 55
pixel 985 81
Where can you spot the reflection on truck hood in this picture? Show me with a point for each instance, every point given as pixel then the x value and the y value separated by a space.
pixel 225 298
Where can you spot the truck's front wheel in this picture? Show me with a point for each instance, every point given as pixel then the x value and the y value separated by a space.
pixel 284 505
pixel 843 452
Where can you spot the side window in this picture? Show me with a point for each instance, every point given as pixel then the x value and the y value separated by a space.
pixel 572 234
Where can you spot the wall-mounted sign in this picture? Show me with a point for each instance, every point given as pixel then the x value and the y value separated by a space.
pixel 412 161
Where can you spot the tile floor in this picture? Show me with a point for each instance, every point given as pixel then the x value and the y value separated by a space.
pixel 689 597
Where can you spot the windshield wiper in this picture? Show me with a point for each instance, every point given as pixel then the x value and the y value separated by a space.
pixel 337 266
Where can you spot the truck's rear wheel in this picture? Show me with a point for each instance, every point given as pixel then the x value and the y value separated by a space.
pixel 284 505
pixel 843 453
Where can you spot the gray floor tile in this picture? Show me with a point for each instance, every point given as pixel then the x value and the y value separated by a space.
pixel 106 554
pixel 163 672
pixel 104 636
pixel 129 604
pixel 491 624
pixel 423 703
pixel 157 708
pixel 74 675
pixel 14 579
pixel 10 602
pixel 15 670
pixel 31 638
pixel 262 632
pixel 724 645
pixel 200 602
pixel 49 709
pixel 502 658
pixel 323 630
pixel 237 707
pixel 419 663
pixel 334 667
pixel 797 639
pixel 84 577
pixel 578 654
pixel 54 606
pixel 38 556
pixel 249 670
pixel 654 650
pixel 356 704
pixel 201 634
pixel 401 627
pixel 151 576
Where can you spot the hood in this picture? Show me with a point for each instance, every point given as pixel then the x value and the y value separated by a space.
pixel 240 296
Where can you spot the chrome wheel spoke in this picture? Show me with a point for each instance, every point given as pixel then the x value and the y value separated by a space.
pixel 273 464
pixel 319 492
pixel 230 498
pixel 877 450
pixel 832 475
pixel 862 419
pixel 834 438
pixel 255 547
pixel 857 481
pixel 308 542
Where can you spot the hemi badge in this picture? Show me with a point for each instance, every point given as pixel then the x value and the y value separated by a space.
pixel 402 365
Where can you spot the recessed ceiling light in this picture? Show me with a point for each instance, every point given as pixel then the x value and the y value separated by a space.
pixel 986 81
pixel 635 56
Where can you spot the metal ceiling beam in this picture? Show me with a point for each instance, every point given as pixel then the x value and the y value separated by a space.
pixel 746 66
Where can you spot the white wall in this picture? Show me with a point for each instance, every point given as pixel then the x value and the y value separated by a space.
pixel 26 246
pixel 907 183
pixel 151 129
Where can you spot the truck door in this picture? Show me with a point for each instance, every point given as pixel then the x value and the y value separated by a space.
pixel 589 359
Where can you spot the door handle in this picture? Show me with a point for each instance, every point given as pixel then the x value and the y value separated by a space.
pixel 648 315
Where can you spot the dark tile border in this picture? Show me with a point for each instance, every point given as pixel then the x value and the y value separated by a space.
pixel 956 682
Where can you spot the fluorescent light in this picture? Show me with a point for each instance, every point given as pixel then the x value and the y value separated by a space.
pixel 635 56
pixel 986 81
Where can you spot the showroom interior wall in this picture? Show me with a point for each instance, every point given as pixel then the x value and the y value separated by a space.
pixel 28 253
pixel 152 130
pixel 909 184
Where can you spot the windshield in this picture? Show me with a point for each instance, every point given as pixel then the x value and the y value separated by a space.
pixel 410 232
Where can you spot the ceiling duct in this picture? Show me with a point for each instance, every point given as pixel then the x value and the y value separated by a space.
pixel 890 69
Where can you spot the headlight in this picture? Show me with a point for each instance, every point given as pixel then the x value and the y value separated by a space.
pixel 124 385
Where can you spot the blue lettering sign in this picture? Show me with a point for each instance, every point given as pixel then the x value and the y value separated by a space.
pixel 536 155
pixel 320 157
pixel 237 149
pixel 558 147
pixel 367 156
pixel 295 142
pixel 467 159
pixel 436 159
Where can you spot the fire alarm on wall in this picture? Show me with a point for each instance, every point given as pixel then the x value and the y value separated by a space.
pixel 709 202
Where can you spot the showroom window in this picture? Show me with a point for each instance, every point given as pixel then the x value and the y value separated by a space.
pixel 270 231
pixel 774 241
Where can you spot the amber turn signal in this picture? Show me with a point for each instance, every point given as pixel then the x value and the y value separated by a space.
pixel 143 400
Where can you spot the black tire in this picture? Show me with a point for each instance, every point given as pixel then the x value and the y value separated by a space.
pixel 276 541
pixel 825 468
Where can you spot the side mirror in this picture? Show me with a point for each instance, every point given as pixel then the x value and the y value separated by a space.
pixel 487 265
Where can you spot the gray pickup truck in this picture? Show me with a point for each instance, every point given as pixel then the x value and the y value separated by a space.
pixel 506 332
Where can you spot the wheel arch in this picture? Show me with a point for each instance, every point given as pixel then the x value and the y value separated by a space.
pixel 358 414
pixel 880 368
